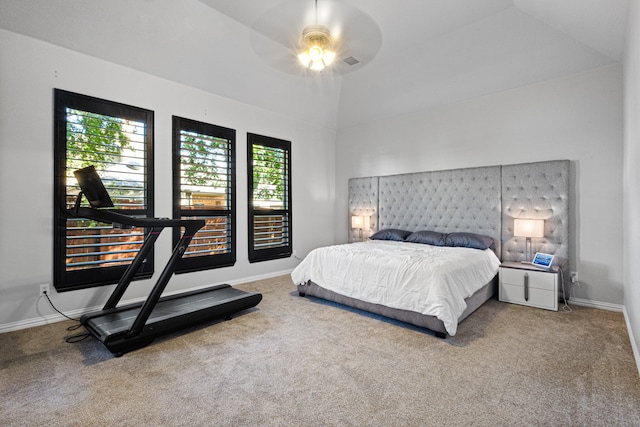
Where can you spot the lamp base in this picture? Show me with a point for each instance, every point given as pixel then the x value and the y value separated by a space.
pixel 527 250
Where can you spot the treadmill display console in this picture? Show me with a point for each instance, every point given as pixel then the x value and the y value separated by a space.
pixel 93 188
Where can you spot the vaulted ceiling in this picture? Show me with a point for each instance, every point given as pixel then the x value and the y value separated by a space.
pixel 414 54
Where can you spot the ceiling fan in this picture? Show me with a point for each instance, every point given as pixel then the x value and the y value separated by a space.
pixel 282 30
pixel 317 46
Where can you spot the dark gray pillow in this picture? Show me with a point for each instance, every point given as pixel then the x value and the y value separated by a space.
pixel 468 240
pixel 390 234
pixel 427 237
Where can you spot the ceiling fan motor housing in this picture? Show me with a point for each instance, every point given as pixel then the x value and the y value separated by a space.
pixel 317 35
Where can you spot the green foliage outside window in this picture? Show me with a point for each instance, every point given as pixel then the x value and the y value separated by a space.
pixel 269 173
pixel 94 139
pixel 201 156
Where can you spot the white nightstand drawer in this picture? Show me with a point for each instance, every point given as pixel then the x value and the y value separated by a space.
pixel 524 285
pixel 537 279
pixel 536 297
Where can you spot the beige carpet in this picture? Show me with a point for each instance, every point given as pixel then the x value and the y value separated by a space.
pixel 296 361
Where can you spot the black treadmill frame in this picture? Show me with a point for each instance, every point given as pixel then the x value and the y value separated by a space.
pixel 140 334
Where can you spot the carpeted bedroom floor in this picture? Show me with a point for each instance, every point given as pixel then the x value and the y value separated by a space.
pixel 296 361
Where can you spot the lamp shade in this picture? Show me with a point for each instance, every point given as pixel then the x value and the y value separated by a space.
pixel 357 221
pixel 528 227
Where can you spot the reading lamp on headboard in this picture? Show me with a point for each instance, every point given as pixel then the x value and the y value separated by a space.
pixel 528 228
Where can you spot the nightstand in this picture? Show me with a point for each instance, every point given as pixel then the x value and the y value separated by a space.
pixel 528 285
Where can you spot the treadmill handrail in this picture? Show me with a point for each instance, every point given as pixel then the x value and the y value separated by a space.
pixel 118 218
pixel 191 227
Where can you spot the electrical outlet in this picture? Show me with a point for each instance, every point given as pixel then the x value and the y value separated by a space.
pixel 44 289
pixel 574 277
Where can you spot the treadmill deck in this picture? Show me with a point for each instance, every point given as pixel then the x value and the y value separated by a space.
pixel 171 313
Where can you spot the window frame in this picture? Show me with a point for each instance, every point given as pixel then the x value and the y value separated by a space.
pixel 278 252
pixel 205 262
pixel 64 280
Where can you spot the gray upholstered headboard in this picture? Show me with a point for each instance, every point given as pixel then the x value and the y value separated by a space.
pixel 481 200
pixel 537 191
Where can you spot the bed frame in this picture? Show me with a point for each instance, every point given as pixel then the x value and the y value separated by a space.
pixel 429 322
pixel 481 200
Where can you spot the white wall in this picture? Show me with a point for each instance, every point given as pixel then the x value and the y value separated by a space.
pixel 183 41
pixel 30 70
pixel 577 118
pixel 632 177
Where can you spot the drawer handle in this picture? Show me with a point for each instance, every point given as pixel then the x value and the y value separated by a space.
pixel 526 286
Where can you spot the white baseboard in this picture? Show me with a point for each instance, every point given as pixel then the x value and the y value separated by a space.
pixel 32 323
pixel 634 346
pixel 596 304
pixel 54 318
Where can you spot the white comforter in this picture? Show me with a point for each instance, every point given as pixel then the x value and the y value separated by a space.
pixel 431 280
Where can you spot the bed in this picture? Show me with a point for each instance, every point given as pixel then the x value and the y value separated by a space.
pixel 472 201
pixel 428 284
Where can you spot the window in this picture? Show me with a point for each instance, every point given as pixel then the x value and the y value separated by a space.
pixel 269 178
pixel 204 188
pixel 117 139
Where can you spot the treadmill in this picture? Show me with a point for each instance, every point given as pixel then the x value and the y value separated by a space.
pixel 129 327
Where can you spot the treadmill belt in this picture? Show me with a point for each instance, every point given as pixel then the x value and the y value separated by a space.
pixel 171 307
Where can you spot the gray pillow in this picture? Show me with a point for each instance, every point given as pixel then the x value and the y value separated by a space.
pixel 390 234
pixel 469 240
pixel 427 237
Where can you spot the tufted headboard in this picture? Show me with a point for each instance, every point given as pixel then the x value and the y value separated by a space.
pixel 481 200
pixel 536 191
pixel 456 200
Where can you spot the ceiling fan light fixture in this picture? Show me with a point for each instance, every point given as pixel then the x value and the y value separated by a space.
pixel 328 57
pixel 318 44
pixel 315 53
pixel 317 66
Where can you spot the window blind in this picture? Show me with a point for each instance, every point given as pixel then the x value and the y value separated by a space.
pixel 269 167
pixel 116 140
pixel 204 188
